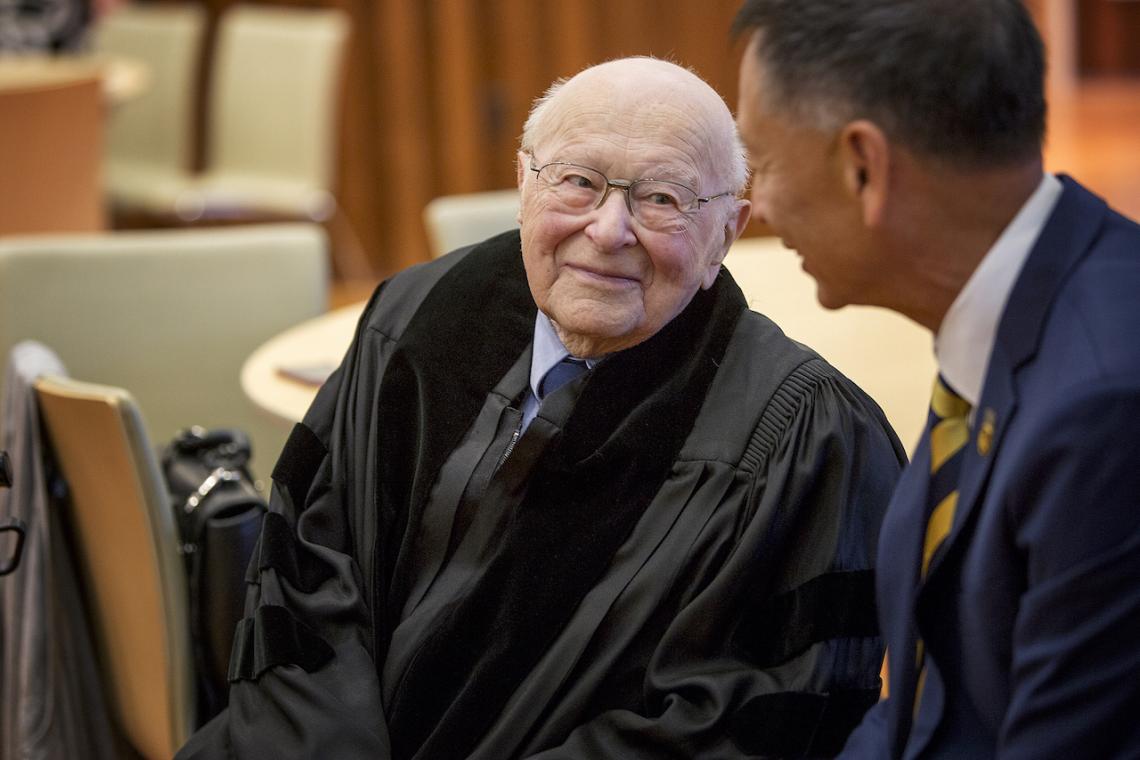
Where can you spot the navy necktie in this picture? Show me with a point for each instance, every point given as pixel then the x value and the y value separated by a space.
pixel 560 374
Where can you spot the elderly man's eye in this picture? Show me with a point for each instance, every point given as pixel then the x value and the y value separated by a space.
pixel 577 180
pixel 656 195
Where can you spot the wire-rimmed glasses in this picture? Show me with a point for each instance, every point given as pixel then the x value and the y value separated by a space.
pixel 656 204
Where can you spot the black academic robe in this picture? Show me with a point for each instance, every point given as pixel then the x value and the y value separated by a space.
pixel 683 567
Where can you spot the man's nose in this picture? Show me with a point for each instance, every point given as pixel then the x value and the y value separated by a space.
pixel 612 225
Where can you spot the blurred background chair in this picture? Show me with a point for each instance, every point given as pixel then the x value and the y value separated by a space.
pixel 150 137
pixel 276 77
pixel 127 547
pixel 169 314
pixel 51 156
pixel 272 96
pixel 453 221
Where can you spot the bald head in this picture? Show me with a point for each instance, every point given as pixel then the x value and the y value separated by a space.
pixel 648 97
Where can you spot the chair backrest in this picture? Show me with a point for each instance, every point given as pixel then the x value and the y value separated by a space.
pixel 51 157
pixel 274 93
pixel 127 546
pixel 153 130
pixel 169 314
pixel 453 221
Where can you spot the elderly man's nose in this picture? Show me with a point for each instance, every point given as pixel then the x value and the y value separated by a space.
pixel 612 225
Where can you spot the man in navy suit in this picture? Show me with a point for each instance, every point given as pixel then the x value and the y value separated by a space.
pixel 897 147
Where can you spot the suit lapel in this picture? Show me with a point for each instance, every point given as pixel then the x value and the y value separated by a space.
pixel 1063 241
pixel 900 558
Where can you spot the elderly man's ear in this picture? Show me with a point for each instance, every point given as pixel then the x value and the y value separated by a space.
pixel 864 152
pixel 522 164
pixel 733 228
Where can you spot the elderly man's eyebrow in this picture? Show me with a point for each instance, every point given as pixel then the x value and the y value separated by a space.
pixel 663 171
pixel 673 173
pixel 580 157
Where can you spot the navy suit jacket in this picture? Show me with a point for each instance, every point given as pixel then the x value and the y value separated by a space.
pixel 1030 613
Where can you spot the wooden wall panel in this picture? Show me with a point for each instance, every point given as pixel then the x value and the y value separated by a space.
pixel 633 27
pixel 570 34
pixel 437 90
pixel 1109 37
pixel 405 130
pixel 459 84
pixel 357 150
pixel 517 77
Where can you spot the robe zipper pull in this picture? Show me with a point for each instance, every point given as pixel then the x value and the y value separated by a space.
pixel 510 446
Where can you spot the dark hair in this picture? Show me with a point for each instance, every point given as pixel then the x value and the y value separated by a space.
pixel 955 79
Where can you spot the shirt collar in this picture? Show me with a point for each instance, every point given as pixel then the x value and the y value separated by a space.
pixel 548 351
pixel 966 336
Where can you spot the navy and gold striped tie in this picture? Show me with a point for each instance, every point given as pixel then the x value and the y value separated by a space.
pixel 949 433
pixel 948 430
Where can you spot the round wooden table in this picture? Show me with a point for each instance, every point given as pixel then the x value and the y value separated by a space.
pixel 282 376
pixel 122 78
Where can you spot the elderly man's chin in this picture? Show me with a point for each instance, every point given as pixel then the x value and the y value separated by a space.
pixel 591 328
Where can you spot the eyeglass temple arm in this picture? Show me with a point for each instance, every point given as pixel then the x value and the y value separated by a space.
pixel 708 198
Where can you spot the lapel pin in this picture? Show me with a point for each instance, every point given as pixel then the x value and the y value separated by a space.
pixel 986 432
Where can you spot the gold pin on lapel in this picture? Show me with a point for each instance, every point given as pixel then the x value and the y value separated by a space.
pixel 986 431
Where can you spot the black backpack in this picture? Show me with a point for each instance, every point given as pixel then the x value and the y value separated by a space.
pixel 218 509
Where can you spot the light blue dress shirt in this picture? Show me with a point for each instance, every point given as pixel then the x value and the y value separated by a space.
pixel 548 352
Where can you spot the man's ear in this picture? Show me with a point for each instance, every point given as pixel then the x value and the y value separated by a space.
pixel 733 228
pixel 522 166
pixel 522 163
pixel 864 154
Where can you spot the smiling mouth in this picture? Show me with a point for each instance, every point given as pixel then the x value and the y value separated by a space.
pixel 610 278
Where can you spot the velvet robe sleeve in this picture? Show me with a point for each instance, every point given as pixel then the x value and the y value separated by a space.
pixel 774 648
pixel 303 680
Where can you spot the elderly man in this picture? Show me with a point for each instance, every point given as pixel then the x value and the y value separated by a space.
pixel 897 147
pixel 567 497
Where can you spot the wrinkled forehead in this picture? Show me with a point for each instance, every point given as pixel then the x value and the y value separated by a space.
pixel 639 114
